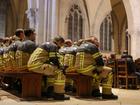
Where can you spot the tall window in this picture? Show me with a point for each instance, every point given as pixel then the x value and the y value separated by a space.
pixel 3 6
pixel 106 34
pixel 75 23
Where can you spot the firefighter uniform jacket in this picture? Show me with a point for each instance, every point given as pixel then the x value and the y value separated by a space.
pixel 46 53
pixel 23 53
pixel 88 58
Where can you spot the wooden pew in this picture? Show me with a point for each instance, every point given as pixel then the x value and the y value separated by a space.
pixel 83 84
pixel 31 82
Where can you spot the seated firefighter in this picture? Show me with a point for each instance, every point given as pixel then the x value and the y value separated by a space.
pixel 19 36
pixel 25 50
pixel 89 62
pixel 69 60
pixel 44 60
pixel 62 50
pixel 131 65
pixel 9 56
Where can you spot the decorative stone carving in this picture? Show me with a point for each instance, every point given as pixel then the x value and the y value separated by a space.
pixel 32 16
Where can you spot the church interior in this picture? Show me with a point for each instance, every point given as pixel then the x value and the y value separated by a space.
pixel 115 23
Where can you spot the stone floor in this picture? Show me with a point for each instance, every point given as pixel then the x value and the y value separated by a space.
pixel 126 97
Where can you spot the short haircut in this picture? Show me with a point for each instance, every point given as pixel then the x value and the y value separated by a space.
pixel 58 38
pixel 18 31
pixel 68 41
pixel 28 32
pixel 1 39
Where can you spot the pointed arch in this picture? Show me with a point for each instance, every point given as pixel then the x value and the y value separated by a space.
pixel 14 13
pixel 9 17
pixel 100 14
pixel 3 7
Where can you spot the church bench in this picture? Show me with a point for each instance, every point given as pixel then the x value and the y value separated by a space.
pixel 83 84
pixel 31 82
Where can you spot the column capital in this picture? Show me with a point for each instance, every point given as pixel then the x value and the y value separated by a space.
pixel 32 16
pixel 31 12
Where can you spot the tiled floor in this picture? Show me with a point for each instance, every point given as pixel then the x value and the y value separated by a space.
pixel 126 97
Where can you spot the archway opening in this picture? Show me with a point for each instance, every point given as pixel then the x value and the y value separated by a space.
pixel 3 7
pixel 7 19
pixel 120 26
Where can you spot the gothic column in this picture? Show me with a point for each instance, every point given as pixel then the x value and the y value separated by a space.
pixel 40 21
pixel 133 14
pixel 51 19
pixel 55 13
pixel 32 13
pixel 47 23
pixel 43 16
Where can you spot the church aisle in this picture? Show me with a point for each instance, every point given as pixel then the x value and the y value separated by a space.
pixel 126 97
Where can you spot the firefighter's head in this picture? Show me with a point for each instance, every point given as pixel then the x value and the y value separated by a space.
pixel 1 40
pixel 7 41
pixel 30 34
pixel 125 52
pixel 59 41
pixel 20 33
pixel 80 41
pixel 93 40
pixel 68 43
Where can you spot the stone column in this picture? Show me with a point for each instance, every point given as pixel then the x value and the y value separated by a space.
pixel 40 21
pixel 48 20
pixel 32 13
pixel 55 13
pixel 43 16
pixel 51 19
pixel 133 14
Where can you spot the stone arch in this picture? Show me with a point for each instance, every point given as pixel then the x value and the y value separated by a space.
pixel 133 14
pixel 10 17
pixel 13 16
pixel 132 29
pixel 13 9
pixel 130 16
pixel 99 17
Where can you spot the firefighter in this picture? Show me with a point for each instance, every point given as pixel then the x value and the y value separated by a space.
pixel 61 56
pixel 5 64
pixel 89 62
pixel 25 49
pixel 1 53
pixel 69 60
pixel 21 54
pixel 130 62
pixel 3 80
pixel 44 60
pixel 9 57
pixel 18 38
pixel 63 49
